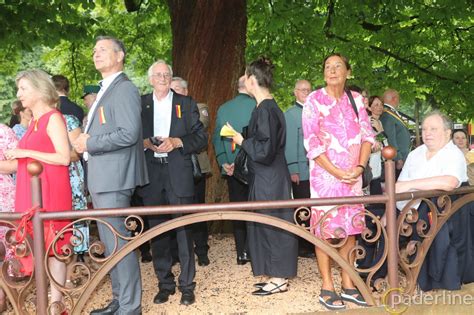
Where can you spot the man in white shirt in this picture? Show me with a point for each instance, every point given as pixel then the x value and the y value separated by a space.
pixel 437 164
pixel 171 132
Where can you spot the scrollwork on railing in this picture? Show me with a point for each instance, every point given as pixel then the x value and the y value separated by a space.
pixel 80 273
pixel 17 286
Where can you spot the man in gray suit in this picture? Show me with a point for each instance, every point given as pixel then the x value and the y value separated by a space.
pixel 113 148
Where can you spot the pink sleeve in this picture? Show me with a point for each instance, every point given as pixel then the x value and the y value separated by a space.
pixel 310 123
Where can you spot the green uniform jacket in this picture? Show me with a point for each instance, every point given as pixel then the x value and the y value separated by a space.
pixel 295 152
pixel 237 112
pixel 397 133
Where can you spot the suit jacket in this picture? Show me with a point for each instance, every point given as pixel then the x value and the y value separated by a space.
pixel 115 147
pixel 397 133
pixel 237 112
pixel 295 152
pixel 194 140
pixel 67 107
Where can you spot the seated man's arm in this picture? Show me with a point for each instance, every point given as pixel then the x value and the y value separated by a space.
pixel 444 182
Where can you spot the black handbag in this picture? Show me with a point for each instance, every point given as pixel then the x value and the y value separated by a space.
pixel 241 171
pixel 367 175
pixel 197 174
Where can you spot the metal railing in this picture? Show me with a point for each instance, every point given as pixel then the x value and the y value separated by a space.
pixel 406 258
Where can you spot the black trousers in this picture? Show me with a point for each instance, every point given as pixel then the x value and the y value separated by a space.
pixel 160 192
pixel 200 231
pixel 238 192
pixel 302 191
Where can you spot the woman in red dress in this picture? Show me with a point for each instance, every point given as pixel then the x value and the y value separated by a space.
pixel 46 141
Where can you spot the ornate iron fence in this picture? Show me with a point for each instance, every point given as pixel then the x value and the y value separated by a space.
pixel 406 258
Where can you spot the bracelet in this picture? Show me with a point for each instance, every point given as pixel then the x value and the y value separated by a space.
pixel 361 166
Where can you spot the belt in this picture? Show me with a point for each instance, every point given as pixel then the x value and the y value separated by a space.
pixel 160 160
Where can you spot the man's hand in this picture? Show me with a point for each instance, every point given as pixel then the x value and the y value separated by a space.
pixel 228 169
pixel 169 144
pixel 80 144
pixel 295 178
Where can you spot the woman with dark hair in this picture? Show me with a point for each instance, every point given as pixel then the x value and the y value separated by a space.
pixel 24 116
pixel 273 251
pixel 460 140
pixel 338 141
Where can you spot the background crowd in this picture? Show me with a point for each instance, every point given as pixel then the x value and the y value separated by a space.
pixel 139 150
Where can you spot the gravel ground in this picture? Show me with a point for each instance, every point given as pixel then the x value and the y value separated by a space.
pixel 224 287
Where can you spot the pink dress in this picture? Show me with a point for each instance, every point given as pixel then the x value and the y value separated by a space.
pixel 8 141
pixel 332 128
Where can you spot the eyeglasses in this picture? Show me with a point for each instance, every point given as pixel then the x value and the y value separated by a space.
pixel 304 90
pixel 160 75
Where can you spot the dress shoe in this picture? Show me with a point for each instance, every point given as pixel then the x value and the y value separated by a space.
pixel 203 261
pixel 243 259
pixel 306 253
pixel 108 310
pixel 146 257
pixel 162 296
pixel 187 297
pixel 277 288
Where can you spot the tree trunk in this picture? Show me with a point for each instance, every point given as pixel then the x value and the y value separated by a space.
pixel 209 38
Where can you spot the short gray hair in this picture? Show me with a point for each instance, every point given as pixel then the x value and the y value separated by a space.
pixel 118 44
pixel 447 123
pixel 159 61
pixel 183 82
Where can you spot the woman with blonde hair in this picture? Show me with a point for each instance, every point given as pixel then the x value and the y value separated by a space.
pixel 45 141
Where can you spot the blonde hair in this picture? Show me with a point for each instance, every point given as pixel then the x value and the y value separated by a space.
pixel 41 82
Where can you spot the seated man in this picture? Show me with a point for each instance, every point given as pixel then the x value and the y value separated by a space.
pixel 437 164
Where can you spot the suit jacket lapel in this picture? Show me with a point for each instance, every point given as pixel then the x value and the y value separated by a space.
pixel 149 114
pixel 119 78
pixel 174 113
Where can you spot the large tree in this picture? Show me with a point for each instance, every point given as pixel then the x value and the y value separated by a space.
pixel 208 51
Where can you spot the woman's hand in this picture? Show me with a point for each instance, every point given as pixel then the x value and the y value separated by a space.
pixel 377 146
pixel 237 138
pixel 16 154
pixel 352 176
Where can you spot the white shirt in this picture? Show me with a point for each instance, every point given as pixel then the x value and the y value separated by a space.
pixel 105 83
pixel 447 161
pixel 162 118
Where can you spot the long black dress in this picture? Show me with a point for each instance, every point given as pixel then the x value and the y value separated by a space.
pixel 273 251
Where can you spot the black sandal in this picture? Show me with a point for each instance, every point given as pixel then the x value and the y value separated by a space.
pixel 354 296
pixel 329 303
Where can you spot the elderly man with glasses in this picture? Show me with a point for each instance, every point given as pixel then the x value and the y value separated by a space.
pixel 171 132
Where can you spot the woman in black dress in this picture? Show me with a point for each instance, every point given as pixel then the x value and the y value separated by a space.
pixel 273 251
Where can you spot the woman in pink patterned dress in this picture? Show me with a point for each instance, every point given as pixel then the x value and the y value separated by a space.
pixel 338 141
pixel 8 141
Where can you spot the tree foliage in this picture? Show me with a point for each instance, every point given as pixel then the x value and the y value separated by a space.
pixel 421 48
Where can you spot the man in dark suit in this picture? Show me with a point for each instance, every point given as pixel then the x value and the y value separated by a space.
pixel 171 131
pixel 66 106
pixel 113 148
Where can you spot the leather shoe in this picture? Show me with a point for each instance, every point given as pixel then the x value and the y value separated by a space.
pixel 108 310
pixel 203 261
pixel 162 296
pixel 187 297
pixel 146 257
pixel 243 259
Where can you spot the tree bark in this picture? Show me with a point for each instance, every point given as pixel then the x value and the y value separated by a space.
pixel 209 39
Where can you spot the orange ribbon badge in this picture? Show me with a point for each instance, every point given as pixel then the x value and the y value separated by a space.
pixel 178 111
pixel 102 115
pixel 233 146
